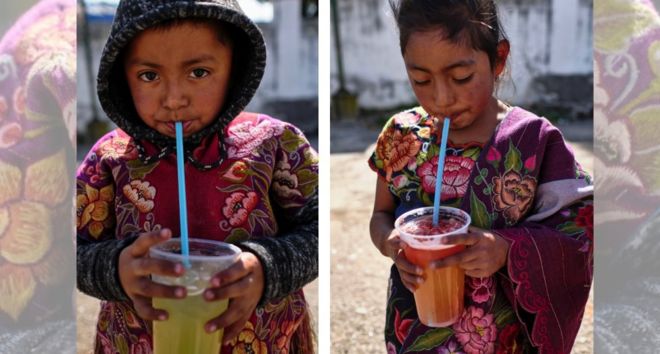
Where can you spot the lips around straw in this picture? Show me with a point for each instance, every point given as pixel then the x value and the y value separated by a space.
pixel 441 169
pixel 181 179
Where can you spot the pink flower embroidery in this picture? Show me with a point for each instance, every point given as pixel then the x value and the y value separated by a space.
pixel 482 289
pixel 476 331
pixel 391 349
pixel 451 348
pixel 119 147
pixel 399 181
pixel 141 194
pixel 245 137
pixel 19 100
pixel 455 176
pixel 238 206
pixel 406 119
pixel 493 155
pixel 530 163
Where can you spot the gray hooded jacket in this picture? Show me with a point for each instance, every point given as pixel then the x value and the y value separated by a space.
pixel 289 260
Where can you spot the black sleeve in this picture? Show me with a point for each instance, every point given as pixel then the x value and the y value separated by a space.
pixel 97 268
pixel 290 260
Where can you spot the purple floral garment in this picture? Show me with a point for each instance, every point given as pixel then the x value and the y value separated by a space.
pixel 525 185
pixel 270 169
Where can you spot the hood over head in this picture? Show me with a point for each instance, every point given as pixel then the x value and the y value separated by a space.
pixel 135 16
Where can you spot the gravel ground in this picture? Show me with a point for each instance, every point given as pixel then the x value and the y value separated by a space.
pixel 359 272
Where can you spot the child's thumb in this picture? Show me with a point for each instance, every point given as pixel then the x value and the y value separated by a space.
pixel 141 246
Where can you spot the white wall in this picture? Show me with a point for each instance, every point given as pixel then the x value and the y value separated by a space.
pixel 547 37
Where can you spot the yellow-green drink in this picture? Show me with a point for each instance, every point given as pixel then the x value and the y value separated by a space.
pixel 183 331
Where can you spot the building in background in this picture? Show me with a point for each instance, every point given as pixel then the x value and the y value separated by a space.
pixel 288 91
pixel 551 64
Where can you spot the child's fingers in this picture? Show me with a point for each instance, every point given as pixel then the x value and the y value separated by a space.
pixel 467 239
pixel 233 330
pixel 148 288
pixel 460 258
pixel 144 266
pixel 144 309
pixel 235 312
pixel 406 266
pixel 142 244
pixel 230 290
pixel 410 281
pixel 235 272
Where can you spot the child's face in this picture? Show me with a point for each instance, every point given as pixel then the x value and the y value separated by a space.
pixel 179 73
pixel 450 80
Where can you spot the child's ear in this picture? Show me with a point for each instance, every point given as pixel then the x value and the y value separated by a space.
pixel 502 55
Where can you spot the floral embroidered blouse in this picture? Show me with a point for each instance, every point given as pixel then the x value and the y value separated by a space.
pixel 266 181
pixel 498 184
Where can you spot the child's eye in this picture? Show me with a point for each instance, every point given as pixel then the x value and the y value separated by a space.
pixel 421 82
pixel 199 73
pixel 148 76
pixel 464 80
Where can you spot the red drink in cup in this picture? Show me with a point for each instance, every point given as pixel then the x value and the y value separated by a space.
pixel 439 299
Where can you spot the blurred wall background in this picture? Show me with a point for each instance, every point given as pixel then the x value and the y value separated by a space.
pixel 551 63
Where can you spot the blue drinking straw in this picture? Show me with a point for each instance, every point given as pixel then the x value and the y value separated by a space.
pixel 183 214
pixel 441 169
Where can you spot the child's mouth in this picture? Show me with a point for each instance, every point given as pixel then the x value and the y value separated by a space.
pixel 185 126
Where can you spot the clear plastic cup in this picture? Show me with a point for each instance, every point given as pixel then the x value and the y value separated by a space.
pixel 439 299
pixel 183 331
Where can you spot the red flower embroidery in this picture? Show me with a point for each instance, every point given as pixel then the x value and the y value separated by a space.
pixel 396 150
pixel 493 155
pixel 513 195
pixel 238 206
pixel 482 289
pixel 401 327
pixel 585 219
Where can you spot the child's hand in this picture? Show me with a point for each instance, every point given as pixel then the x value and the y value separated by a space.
pixel 411 275
pixel 243 285
pixel 484 255
pixel 135 268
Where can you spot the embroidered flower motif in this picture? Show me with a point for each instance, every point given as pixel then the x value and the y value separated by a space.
pixel 118 147
pixel 285 183
pixel 451 348
pixel 141 194
pixel 19 100
pixel 401 327
pixel 245 137
pixel 507 340
pixel 92 208
pixel 143 346
pixel 530 163
pixel 10 134
pixel 455 176
pixel 400 181
pixel 476 331
pixel 406 119
pixel 237 172
pixel 482 289
pixel 284 341
pixel 238 206
pixel 513 195
pixel 396 150
pixel 493 156
pixel 247 342
pixel 585 219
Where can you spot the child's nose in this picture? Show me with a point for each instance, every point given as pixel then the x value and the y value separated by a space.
pixel 175 97
pixel 443 96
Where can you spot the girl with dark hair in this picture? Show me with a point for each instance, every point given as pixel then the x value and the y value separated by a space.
pixel 528 256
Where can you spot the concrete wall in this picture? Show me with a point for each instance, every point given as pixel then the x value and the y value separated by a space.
pixel 551 42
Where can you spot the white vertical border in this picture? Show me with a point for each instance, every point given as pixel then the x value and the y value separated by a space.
pixel 324 176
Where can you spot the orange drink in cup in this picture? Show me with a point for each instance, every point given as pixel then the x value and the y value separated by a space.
pixel 439 299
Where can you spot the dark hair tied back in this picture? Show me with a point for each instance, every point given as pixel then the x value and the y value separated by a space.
pixel 471 22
